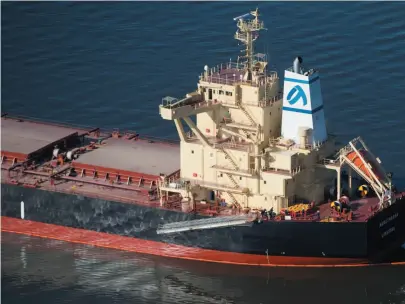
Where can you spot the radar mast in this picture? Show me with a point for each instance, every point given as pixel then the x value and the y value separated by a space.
pixel 247 33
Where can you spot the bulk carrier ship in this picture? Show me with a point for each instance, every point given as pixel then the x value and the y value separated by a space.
pixel 245 185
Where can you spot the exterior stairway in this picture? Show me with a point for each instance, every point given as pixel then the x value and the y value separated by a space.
pixel 252 121
pixel 229 158
pixel 236 185
pixel 232 199
pixel 232 180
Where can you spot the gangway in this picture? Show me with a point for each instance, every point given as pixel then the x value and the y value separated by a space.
pixel 207 223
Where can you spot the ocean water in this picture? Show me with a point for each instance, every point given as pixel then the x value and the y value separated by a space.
pixel 109 64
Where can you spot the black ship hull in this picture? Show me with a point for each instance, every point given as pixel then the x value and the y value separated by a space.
pixel 313 242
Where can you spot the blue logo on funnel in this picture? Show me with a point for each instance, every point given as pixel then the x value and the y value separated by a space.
pixel 296 94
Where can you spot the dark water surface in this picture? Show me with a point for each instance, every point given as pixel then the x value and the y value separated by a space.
pixel 47 271
pixel 109 65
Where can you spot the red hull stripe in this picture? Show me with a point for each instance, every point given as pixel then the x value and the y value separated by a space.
pixel 118 242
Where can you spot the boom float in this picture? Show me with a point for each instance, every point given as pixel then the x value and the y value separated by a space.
pixel 256 180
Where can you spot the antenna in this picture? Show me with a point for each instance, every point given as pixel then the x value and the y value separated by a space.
pixel 247 33
pixel 241 17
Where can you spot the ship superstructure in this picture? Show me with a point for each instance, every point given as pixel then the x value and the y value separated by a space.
pixel 252 145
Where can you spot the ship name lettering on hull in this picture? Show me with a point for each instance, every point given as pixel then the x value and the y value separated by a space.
pixel 387 232
pixel 389 219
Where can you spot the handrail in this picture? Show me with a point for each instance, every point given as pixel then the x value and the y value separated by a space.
pixel 282 171
pixel 185 184
pixel 216 77
pixel 330 161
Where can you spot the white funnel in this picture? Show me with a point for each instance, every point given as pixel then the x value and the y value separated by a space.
pixel 303 106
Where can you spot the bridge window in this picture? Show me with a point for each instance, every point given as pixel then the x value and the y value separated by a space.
pixel 264 182
pixel 192 151
pixel 228 93
pixel 221 92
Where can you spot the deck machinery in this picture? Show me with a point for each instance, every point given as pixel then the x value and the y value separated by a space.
pixel 255 145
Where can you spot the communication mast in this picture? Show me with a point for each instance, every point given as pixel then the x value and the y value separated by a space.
pixel 247 33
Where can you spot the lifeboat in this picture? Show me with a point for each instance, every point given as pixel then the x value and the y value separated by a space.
pixel 357 161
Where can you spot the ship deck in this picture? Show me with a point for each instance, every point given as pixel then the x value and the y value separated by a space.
pixel 108 165
pixel 142 156
pixel 25 138
pixel 118 169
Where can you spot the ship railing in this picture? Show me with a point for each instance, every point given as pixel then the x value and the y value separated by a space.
pixel 302 147
pixel 262 103
pixel 186 184
pixel 228 168
pixel 205 103
pixel 179 184
pixel 228 66
pixel 283 171
pixel 346 150
pixel 220 79
pixel 173 103
pixel 312 147
pixel 168 101
pixel 240 66
pixel 270 101
pixel 216 77
pixel 281 142
pixel 329 161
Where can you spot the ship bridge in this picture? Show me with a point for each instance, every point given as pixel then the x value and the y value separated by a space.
pixel 172 108
pixel 222 151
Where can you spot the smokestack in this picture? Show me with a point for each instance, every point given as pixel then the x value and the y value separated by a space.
pixel 297 65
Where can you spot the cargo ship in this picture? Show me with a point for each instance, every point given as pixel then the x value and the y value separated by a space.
pixel 255 178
